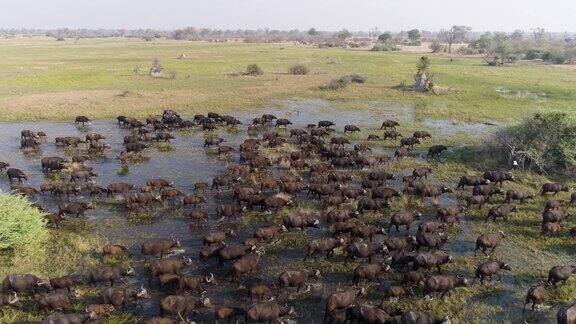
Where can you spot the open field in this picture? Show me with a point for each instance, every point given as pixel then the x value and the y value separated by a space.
pixel 46 79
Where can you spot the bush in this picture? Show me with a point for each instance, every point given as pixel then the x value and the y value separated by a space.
pixel 384 47
pixel 436 47
pixel 355 78
pixel 22 229
pixel 546 141
pixel 299 70
pixel 533 54
pixel 337 84
pixel 253 69
pixel 553 57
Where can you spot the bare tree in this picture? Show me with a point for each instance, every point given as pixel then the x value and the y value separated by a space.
pixel 539 34
pixel 156 68
pixel 456 34
pixel 374 33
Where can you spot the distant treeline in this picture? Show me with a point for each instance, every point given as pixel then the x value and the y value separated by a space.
pixel 500 47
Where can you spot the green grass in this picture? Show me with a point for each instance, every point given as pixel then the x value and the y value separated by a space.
pixel 45 79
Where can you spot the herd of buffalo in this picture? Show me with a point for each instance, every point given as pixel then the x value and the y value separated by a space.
pixel 316 181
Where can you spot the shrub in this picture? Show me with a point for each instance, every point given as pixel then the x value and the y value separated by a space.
pixel 298 70
pixel 436 47
pixel 533 54
pixel 554 57
pixel 22 229
pixel 253 69
pixel 337 84
pixel 355 78
pixel 384 47
pixel 546 141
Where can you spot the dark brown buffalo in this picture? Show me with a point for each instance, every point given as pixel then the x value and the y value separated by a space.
pixel 431 259
pixel 436 150
pixel 535 295
pixel 414 317
pixel 369 271
pixel 351 128
pixel 488 269
pixel 193 200
pixel 168 266
pixel 477 200
pixel 388 123
pixel 421 172
pixel 16 174
pixel 210 251
pixel 409 142
pixel 108 274
pixel 217 236
pixel 159 183
pixel 268 313
pixel 554 188
pixel 119 297
pixel 159 246
pixel 498 176
pixel 100 310
pixel 550 228
pixel 400 243
pixel 430 227
pixel 552 205
pixel 384 193
pixel 403 219
pixel 66 282
pixel 81 120
pixel 391 134
pixel 182 305
pixel 268 232
pixel 567 314
pixel 367 231
pixel 432 191
pixel 234 252
pixel 363 250
pixel 246 265
pixel 560 274
pixel 517 195
pixel 300 221
pixel 25 284
pixel 120 187
pixel 56 301
pixel 74 208
pixel 430 240
pixel 486 190
pixel 194 283
pixel 228 314
pixel 370 204
pixel 72 318
pixel 488 241
pixel 260 291
pixel 501 211
pixel 296 278
pixel 367 314
pixel 443 284
pixel 324 245
pixel 82 175
pixel 135 147
pixel 471 181
pixel 11 300
pixel 341 300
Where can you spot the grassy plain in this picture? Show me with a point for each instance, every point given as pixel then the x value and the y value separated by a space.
pixel 46 79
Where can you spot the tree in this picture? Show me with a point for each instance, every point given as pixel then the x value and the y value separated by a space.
pixel 414 35
pixel 374 32
pixel 454 35
pixel 539 33
pixel 343 36
pixel 312 32
pixel 385 37
pixel 517 35
pixel 156 68
pixel 424 79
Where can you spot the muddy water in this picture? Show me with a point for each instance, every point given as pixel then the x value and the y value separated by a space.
pixel 185 165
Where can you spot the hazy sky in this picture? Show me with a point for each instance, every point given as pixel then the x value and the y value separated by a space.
pixel 395 15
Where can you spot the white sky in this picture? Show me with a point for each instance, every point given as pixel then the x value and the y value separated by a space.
pixel 394 15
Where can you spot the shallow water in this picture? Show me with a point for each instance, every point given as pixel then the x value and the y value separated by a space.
pixel 185 165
